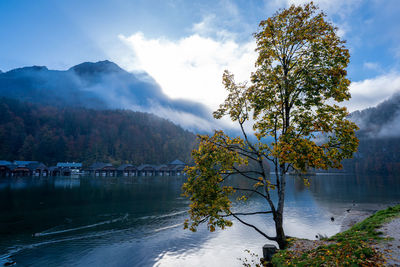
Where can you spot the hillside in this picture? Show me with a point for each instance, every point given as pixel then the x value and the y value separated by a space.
pixel 382 121
pixel 51 134
pixel 101 85
pixel 379 135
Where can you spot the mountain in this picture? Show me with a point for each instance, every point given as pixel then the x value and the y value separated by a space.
pixel 380 121
pixel 58 134
pixel 379 135
pixel 101 85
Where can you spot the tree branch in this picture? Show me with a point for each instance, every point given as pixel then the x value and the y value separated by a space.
pixel 248 177
pixel 255 228
pixel 250 190
pixel 251 213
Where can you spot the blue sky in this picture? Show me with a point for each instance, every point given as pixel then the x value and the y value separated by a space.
pixel 185 45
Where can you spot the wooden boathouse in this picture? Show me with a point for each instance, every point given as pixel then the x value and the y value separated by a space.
pixel 101 169
pixel 127 170
pixel 97 169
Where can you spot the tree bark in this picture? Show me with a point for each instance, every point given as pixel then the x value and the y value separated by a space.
pixel 280 234
pixel 278 217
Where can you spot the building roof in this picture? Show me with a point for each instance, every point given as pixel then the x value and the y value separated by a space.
pixel 4 162
pixel 12 166
pixel 162 167
pixel 15 166
pixel 35 166
pixel 178 168
pixel 126 166
pixel 99 165
pixel 146 167
pixel 22 162
pixel 177 162
pixel 69 164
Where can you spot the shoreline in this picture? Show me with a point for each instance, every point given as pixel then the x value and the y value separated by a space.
pixel 369 234
pixel 390 246
pixel 360 212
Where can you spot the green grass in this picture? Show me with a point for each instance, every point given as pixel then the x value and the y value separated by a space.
pixel 349 248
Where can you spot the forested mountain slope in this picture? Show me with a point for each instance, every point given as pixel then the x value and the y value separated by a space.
pixel 101 85
pixel 52 134
pixel 382 121
pixel 379 135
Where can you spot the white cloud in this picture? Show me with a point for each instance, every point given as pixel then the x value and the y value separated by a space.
pixel 392 128
pixel 372 66
pixel 343 29
pixel 206 28
pixel 371 92
pixel 203 27
pixel 184 119
pixel 191 67
pixel 230 7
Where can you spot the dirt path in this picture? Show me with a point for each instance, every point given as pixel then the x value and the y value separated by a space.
pixel 390 248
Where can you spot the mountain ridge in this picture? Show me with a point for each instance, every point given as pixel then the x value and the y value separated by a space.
pixel 102 85
pixel 382 120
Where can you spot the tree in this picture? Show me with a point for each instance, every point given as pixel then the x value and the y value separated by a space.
pixel 291 102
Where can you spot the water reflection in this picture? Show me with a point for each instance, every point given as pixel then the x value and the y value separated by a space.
pixel 67 182
pixel 137 221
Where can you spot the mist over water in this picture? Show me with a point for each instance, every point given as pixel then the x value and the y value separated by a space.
pixel 138 221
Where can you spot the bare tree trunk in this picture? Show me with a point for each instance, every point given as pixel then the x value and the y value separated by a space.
pixel 278 217
pixel 280 234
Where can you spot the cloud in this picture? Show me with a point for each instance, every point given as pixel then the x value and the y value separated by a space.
pixel 206 28
pixel 203 27
pixel 371 92
pixel 187 120
pixel 372 66
pixel 230 7
pixel 192 67
pixel 391 129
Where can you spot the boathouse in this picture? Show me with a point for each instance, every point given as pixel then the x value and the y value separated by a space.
pixel 69 168
pixel 178 170
pixel 38 169
pixel 127 170
pixel 54 171
pixel 101 169
pixel 162 170
pixel 5 170
pixel 19 170
pixel 176 167
pixel 146 170
pixel 24 162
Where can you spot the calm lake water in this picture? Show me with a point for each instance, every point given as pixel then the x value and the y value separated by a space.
pixel 138 221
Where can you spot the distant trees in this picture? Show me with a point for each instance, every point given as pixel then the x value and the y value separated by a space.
pixel 379 155
pixel 50 135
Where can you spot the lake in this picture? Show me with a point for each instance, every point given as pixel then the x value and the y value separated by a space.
pixel 138 221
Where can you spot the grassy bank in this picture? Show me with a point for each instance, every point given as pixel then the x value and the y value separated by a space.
pixel 350 248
